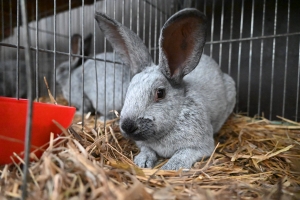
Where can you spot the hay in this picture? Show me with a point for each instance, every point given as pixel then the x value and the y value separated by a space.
pixel 254 159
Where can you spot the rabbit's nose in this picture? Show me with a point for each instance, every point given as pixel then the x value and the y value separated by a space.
pixel 128 125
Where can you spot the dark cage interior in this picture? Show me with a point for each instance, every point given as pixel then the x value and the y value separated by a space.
pixel 257 43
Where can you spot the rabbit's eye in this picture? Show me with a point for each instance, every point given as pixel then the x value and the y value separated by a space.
pixel 160 94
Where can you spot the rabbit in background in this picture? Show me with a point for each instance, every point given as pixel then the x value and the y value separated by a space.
pixel 116 76
pixel 172 109
pixel 8 79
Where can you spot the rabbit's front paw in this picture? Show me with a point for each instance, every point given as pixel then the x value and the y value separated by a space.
pixel 184 158
pixel 176 164
pixel 146 159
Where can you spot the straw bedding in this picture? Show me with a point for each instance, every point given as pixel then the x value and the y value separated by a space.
pixel 254 159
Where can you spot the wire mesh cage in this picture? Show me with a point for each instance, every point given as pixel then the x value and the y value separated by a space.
pixel 255 42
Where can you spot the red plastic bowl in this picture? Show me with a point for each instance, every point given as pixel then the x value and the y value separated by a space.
pixel 13 121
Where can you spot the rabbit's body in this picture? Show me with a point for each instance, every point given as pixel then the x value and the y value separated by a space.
pixel 117 78
pixel 202 104
pixel 116 81
pixel 76 88
pixel 8 79
pixel 212 87
pixel 172 109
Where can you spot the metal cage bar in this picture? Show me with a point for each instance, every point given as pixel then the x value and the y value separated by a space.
pixel 230 37
pixel 212 28
pixel 30 100
pixel 54 48
pixel 37 51
pixel 82 60
pixel 273 59
pixel 250 58
pixel 286 58
pixel 70 51
pixel 261 58
pixel 221 34
pixel 298 86
pixel 239 57
pixel 95 66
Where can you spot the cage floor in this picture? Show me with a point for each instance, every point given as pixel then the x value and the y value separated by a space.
pixel 253 159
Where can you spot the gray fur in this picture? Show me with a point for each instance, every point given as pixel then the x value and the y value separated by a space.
pixel 8 79
pixel 116 80
pixel 198 99
pixel 129 46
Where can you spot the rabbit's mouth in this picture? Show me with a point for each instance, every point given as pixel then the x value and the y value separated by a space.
pixel 139 130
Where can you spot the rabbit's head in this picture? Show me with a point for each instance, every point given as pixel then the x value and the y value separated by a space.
pixel 62 71
pixel 156 92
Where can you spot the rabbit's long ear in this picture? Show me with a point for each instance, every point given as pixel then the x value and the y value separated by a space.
pixel 126 43
pixel 76 49
pixel 181 43
pixel 87 44
pixel 76 44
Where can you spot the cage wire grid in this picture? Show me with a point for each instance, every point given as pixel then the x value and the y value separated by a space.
pixel 256 42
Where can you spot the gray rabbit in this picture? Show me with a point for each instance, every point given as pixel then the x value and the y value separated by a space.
pixel 8 79
pixel 172 109
pixel 117 79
